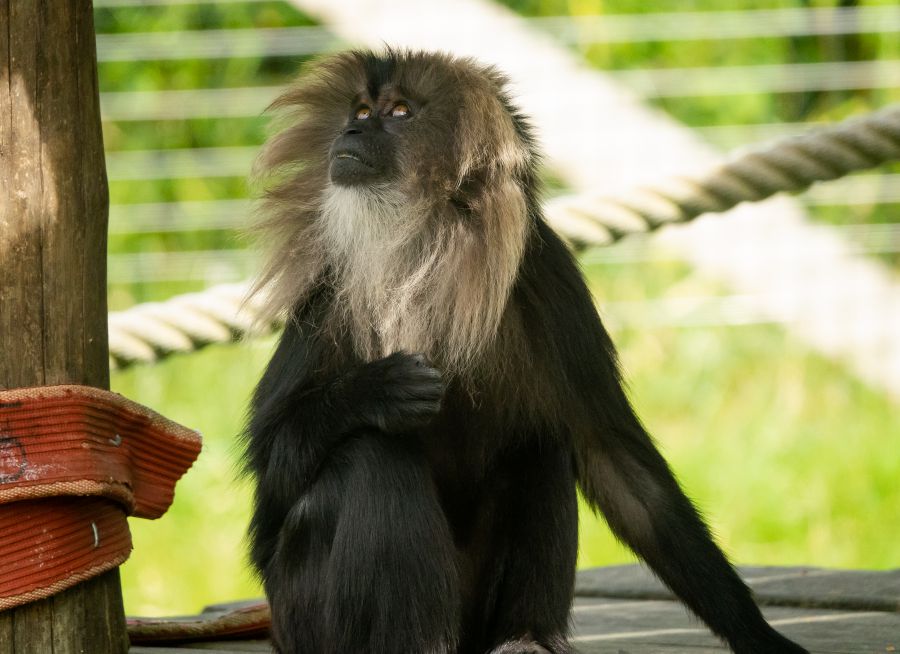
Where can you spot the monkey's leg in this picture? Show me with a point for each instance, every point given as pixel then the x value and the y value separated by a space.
pixel 296 424
pixel 365 560
pixel 530 568
pixel 632 485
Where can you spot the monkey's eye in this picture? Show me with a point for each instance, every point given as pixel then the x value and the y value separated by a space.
pixel 362 113
pixel 400 110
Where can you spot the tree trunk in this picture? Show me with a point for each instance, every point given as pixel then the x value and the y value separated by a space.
pixel 53 215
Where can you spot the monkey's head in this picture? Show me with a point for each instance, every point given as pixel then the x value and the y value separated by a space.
pixel 406 180
pixel 430 123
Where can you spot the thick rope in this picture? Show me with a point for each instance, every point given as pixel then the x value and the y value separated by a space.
pixel 148 332
pixel 792 164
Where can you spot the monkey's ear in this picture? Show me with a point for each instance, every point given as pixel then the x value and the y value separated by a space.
pixel 467 199
pixel 493 139
pixel 495 160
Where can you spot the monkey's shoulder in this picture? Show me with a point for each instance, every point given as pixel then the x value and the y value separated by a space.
pixel 551 295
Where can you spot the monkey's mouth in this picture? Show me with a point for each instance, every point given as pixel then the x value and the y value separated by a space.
pixel 348 169
pixel 344 154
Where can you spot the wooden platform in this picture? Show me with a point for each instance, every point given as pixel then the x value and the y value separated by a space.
pixel 624 610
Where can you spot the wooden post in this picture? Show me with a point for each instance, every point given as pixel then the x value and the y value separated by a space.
pixel 53 216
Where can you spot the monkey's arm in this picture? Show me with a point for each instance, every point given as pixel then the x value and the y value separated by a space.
pixel 299 415
pixel 623 475
pixel 297 419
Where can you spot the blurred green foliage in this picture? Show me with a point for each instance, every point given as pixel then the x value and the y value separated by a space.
pixel 749 108
pixel 784 450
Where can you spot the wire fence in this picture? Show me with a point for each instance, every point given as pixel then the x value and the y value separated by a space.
pixel 185 170
pixel 648 83
pixel 575 30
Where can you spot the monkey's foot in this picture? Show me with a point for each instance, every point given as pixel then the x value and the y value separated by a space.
pixel 557 645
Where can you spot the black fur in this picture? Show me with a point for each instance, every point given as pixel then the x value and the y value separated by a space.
pixel 400 510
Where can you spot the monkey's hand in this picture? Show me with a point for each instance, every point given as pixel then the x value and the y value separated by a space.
pixel 397 393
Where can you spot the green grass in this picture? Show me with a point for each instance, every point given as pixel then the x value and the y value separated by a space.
pixel 194 554
pixel 784 451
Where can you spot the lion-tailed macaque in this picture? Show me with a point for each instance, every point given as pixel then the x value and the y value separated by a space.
pixel 442 385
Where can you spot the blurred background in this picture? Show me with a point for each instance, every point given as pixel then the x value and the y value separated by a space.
pixel 788 443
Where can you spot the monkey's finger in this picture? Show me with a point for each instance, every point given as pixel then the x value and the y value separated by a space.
pixel 408 391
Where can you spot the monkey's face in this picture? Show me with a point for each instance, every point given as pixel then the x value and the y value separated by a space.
pixel 365 153
pixel 427 127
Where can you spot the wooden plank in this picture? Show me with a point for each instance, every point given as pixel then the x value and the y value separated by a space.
pixel 33 626
pixel 219 647
pixel 53 213
pixel 606 622
pixel 810 587
pixel 610 625
pixel 242 646
pixel 664 627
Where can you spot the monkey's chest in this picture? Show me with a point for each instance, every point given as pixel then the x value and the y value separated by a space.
pixel 454 452
pixel 463 443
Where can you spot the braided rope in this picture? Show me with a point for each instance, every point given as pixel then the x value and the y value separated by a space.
pixel 148 332
pixel 790 165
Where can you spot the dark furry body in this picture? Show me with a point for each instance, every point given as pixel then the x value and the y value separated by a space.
pixel 466 529
pixel 400 510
